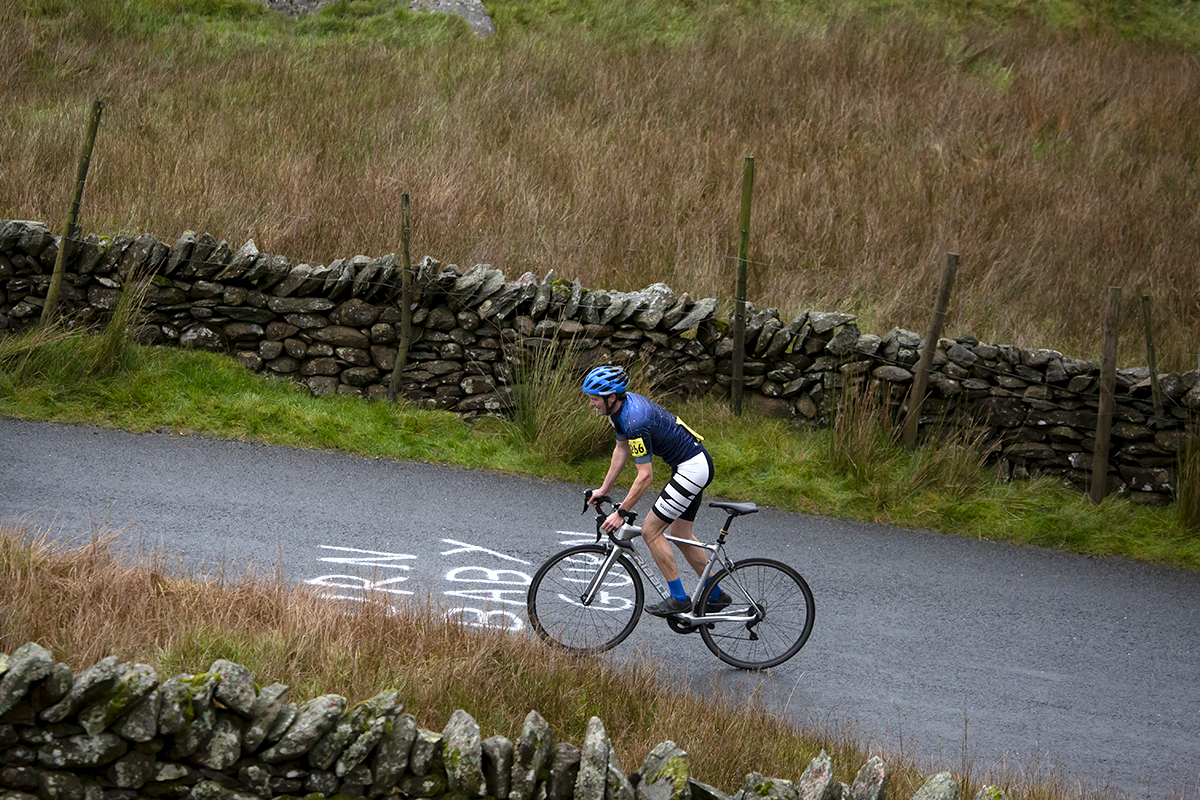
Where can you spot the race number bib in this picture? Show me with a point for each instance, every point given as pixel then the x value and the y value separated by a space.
pixel 637 448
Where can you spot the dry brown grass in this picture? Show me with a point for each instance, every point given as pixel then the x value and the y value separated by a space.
pixel 86 603
pixel 1056 164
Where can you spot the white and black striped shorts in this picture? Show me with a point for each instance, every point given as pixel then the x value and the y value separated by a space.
pixel 680 498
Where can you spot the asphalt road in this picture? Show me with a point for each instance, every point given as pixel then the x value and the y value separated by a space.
pixel 1035 661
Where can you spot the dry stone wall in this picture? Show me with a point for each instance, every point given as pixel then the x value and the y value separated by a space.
pixel 116 732
pixel 334 328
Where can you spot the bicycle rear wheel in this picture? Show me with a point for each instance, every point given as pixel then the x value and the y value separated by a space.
pixel 784 610
pixel 555 600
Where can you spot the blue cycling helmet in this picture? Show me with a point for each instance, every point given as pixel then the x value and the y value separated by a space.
pixel 606 380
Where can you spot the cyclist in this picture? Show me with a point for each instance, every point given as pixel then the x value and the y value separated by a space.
pixel 645 429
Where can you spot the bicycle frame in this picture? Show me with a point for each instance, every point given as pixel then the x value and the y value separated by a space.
pixel 622 540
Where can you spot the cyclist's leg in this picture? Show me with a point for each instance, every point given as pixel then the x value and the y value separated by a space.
pixel 653 527
pixel 697 557
pixel 676 506
pixel 688 479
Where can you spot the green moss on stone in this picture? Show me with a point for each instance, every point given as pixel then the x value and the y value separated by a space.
pixel 675 769
pixel 119 697
pixel 196 683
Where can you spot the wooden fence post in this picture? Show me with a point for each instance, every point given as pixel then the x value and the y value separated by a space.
pixel 739 316
pixel 1108 379
pixel 916 398
pixel 71 227
pixel 1150 359
pixel 406 295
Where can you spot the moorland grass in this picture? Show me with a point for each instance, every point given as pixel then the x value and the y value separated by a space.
pixel 1053 143
pixel 84 604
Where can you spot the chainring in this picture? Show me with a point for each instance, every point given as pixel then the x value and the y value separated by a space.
pixel 679 626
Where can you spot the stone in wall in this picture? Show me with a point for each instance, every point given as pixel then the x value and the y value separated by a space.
pixel 665 774
pixel 940 786
pixel 816 782
pixel 871 781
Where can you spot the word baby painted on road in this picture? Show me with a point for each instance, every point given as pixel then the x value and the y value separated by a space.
pixel 480 586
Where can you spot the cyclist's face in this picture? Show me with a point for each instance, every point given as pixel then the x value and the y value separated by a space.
pixel 599 403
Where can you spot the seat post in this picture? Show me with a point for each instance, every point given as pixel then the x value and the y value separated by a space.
pixel 725 528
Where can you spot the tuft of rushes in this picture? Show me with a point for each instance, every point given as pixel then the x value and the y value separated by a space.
pixel 63 357
pixel 863 443
pixel 550 414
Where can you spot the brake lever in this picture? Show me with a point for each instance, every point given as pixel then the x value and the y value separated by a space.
pixel 587 501
pixel 599 521
pixel 600 515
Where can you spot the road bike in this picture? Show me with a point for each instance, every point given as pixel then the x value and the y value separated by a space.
pixel 589 597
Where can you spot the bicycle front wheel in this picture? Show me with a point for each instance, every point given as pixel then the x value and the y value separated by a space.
pixel 557 607
pixel 783 610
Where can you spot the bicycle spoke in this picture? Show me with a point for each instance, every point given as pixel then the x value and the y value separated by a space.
pixel 556 606
pixel 780 599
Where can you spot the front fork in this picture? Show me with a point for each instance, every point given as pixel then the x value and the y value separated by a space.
pixel 589 594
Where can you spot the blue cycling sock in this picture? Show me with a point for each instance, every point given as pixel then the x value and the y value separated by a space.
pixel 676 587
pixel 715 593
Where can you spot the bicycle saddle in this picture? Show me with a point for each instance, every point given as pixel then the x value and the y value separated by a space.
pixel 736 509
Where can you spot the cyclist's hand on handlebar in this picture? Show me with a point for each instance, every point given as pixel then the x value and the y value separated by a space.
pixel 612 522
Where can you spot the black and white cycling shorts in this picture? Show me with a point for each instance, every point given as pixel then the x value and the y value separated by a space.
pixel 680 498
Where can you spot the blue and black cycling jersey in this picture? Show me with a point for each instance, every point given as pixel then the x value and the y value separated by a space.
pixel 651 430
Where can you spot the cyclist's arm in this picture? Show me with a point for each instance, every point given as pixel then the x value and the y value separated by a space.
pixel 620 457
pixel 645 475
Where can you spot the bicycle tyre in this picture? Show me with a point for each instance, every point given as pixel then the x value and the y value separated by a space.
pixel 559 617
pixel 789 611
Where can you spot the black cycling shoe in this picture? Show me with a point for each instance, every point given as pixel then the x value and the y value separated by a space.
pixel 722 602
pixel 668 607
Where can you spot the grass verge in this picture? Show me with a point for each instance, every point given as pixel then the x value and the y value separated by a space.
pixel 851 471
pixel 67 601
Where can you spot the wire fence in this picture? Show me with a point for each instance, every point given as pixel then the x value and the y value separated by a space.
pixel 381 277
